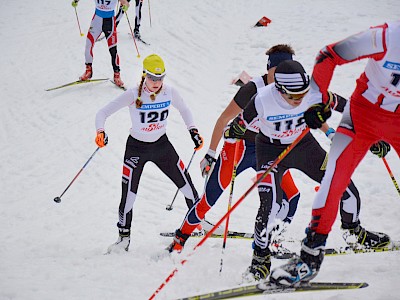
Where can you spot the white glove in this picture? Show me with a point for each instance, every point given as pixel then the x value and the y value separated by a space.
pixel 207 162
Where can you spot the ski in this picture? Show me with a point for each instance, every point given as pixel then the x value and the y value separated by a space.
pixel 143 42
pixel 270 288
pixel 349 250
pixel 231 234
pixel 284 253
pixel 121 87
pixel 140 40
pixel 76 82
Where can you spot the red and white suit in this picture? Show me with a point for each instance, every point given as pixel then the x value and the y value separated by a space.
pixel 373 112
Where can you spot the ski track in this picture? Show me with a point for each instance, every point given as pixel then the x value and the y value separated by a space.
pixel 56 250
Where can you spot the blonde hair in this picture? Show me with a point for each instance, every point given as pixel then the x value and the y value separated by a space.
pixel 139 101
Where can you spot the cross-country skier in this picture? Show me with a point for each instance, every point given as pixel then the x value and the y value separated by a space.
pixel 149 106
pixel 220 175
pixel 103 21
pixel 373 114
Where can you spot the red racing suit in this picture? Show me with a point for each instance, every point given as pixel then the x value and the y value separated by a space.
pixel 373 112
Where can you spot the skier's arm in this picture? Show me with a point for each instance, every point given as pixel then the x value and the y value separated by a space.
pixel 367 44
pixel 231 111
pixel 180 105
pixel 250 112
pixel 121 101
pixel 239 101
pixel 187 117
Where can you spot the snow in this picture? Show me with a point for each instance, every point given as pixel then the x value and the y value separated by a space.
pixel 56 251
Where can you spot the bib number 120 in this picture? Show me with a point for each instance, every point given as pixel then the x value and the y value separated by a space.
pixel 153 116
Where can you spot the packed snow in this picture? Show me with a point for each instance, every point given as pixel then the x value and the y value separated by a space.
pixel 56 251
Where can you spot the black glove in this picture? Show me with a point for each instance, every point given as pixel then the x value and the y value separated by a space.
pixel 317 114
pixel 380 149
pixel 197 139
pixel 236 129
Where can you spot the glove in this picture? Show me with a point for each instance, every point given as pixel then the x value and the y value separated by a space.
pixel 101 139
pixel 207 162
pixel 330 133
pixel 197 139
pixel 317 114
pixel 74 3
pixel 236 129
pixel 380 149
pixel 125 7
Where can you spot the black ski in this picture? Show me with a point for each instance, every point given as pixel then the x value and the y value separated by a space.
pixel 269 288
pixel 140 40
pixel 231 234
pixel 75 83
pixel 121 87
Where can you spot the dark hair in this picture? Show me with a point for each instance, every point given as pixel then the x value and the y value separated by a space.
pixel 277 54
pixel 280 48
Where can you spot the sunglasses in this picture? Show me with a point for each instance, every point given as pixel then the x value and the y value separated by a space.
pixel 292 96
pixel 155 77
pixel 296 96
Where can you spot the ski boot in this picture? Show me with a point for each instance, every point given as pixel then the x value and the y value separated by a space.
pixel 88 73
pixel 207 226
pixel 260 265
pixel 358 237
pixel 136 34
pixel 178 242
pixel 304 268
pixel 117 79
pixel 123 241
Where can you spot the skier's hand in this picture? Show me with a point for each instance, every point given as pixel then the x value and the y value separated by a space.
pixel 125 7
pixel 236 129
pixel 101 139
pixel 207 162
pixel 197 139
pixel 380 149
pixel 74 3
pixel 317 114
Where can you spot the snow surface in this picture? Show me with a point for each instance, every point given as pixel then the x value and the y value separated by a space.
pixel 55 251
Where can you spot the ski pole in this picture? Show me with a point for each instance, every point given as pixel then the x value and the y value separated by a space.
pixel 235 163
pixel 169 207
pixel 267 171
pixel 79 25
pixel 149 14
pixel 133 36
pixel 391 175
pixel 58 199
